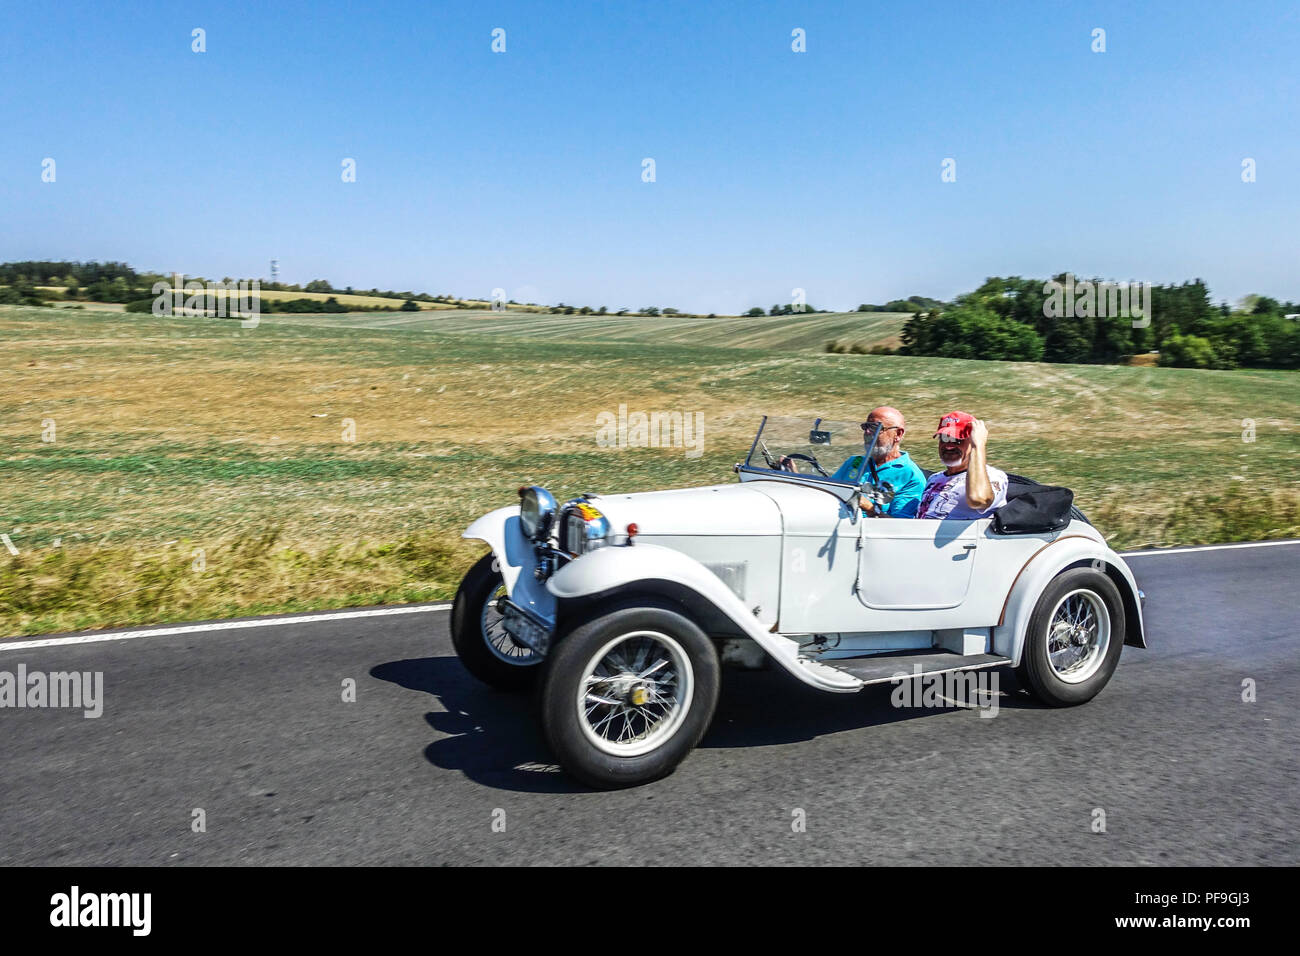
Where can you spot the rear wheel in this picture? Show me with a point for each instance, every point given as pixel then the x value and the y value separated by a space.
pixel 1074 638
pixel 627 695
pixel 481 642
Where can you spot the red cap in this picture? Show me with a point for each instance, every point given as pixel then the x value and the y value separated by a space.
pixel 955 425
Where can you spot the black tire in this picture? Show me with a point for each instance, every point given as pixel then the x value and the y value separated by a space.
pixel 1035 672
pixel 567 667
pixel 473 644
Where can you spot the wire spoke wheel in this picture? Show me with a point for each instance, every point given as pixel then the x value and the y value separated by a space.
pixel 627 693
pixel 498 640
pixel 1078 636
pixel 634 693
pixel 479 635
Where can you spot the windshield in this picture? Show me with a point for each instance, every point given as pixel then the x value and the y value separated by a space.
pixel 812 447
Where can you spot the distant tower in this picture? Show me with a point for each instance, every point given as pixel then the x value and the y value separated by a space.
pixel 275 270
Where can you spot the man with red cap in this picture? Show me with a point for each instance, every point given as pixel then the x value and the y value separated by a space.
pixel 968 487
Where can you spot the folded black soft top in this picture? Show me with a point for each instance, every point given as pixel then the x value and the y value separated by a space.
pixel 1033 508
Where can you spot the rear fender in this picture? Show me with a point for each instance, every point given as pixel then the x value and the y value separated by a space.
pixel 1062 554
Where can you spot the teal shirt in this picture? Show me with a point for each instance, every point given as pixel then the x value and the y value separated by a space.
pixel 908 481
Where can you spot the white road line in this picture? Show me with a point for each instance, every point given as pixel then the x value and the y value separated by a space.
pixel 220 626
pixel 1205 547
pixel 426 608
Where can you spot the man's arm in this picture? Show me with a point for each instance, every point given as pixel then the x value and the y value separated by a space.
pixel 979 490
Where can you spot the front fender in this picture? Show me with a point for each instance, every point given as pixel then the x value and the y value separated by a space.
pixel 516 559
pixel 659 570
pixel 1062 553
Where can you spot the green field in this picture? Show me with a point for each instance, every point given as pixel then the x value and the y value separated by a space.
pixel 199 470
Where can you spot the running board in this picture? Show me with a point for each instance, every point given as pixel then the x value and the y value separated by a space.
pixel 880 668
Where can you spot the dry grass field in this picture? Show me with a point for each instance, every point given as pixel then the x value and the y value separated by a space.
pixel 161 469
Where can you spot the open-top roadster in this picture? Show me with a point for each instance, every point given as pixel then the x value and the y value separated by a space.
pixel 623 607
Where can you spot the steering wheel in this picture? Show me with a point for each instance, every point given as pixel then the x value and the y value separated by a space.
pixel 797 456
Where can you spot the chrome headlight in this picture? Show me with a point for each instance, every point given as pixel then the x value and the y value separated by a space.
pixel 583 528
pixel 536 510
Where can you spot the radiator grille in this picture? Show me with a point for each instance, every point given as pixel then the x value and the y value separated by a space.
pixel 571 530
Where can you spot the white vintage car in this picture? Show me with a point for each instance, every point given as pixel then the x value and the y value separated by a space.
pixel 624 606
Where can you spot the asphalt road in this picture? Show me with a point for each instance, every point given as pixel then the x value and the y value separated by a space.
pixel 250 726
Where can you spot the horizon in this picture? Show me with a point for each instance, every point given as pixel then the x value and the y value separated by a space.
pixel 1098 282
pixel 774 170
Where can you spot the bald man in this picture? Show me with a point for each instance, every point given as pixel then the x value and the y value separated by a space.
pixel 889 463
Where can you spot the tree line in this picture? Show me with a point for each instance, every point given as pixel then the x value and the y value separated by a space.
pixel 913 303
pixel 255 303
pixel 35 282
pixel 21 284
pixel 1011 318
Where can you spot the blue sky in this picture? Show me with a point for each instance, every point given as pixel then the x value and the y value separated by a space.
pixel 775 170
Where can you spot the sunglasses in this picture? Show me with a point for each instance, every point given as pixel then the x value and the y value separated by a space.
pixel 866 427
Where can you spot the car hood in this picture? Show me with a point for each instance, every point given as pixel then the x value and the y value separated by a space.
pixel 731 509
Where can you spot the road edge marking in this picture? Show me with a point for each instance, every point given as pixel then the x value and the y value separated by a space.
pixel 238 624
pixel 1207 547
pixel 242 624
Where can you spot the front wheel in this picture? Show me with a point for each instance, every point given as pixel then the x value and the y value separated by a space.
pixel 627 695
pixel 480 639
pixel 1074 638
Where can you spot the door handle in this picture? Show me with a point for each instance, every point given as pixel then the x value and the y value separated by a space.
pixel 970 547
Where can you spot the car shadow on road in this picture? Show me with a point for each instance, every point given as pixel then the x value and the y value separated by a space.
pixel 494 737
pixel 768 707
pixel 491 736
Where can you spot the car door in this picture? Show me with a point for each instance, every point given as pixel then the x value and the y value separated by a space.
pixel 918 564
